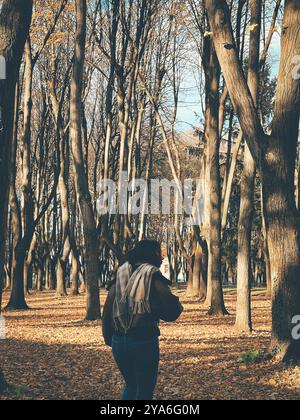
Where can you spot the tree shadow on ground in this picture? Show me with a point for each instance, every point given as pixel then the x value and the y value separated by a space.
pixel 56 355
pixel 202 369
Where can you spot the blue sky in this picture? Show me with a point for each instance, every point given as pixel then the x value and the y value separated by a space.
pixel 189 110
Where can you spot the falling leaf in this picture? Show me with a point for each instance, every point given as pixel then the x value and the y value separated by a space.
pixel 251 28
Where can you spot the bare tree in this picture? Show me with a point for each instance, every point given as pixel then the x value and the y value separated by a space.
pixel 212 77
pixel 81 179
pixel 275 154
pixel 243 318
pixel 15 21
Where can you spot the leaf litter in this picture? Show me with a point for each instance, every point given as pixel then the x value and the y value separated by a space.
pixel 50 353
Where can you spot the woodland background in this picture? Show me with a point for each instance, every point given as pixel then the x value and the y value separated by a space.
pixel 94 89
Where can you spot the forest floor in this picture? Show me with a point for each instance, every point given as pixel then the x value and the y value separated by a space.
pixel 51 353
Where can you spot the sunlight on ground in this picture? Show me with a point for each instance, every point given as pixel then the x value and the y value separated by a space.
pixel 51 353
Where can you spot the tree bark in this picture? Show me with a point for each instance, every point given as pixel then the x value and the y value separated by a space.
pixel 243 315
pixel 28 264
pixel 61 289
pixel 75 274
pixel 200 272
pixel 234 159
pixel 15 18
pixel 212 77
pixel 266 253
pixel 282 217
pixel 17 298
pixel 81 177
pixel 276 154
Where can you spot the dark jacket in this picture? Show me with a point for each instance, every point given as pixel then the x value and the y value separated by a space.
pixel 164 306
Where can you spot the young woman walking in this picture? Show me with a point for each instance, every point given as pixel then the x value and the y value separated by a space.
pixel 138 300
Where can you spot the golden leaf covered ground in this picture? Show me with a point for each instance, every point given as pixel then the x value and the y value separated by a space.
pixel 51 353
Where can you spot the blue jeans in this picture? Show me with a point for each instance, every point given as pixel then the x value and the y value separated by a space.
pixel 138 361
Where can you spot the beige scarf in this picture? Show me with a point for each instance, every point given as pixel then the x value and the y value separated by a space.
pixel 132 294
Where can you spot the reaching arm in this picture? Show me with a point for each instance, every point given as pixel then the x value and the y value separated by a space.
pixel 170 307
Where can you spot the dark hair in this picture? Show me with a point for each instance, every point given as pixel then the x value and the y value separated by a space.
pixel 146 251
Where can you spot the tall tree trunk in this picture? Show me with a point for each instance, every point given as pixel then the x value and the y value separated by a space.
pixel 61 289
pixel 13 198
pixel 212 75
pixel 81 177
pixel 143 217
pixel 15 18
pixel 277 154
pixel 109 104
pixel 243 315
pixel 282 217
pixel 17 298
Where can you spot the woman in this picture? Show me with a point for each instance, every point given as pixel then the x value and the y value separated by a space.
pixel 138 300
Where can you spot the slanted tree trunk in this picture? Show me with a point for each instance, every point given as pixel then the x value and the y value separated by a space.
pixel 243 315
pixel 81 177
pixel 234 159
pixel 276 154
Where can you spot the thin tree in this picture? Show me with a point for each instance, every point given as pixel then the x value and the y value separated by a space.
pixel 212 78
pixel 81 177
pixel 243 317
